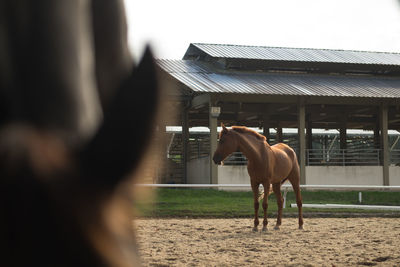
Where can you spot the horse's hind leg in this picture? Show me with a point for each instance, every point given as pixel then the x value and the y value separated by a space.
pixel 279 199
pixel 294 178
pixel 255 187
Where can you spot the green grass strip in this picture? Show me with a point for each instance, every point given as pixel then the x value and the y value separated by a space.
pixel 185 202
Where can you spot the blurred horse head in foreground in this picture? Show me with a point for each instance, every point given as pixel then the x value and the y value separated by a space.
pixel 76 117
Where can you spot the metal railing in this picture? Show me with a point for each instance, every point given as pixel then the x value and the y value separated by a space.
pixel 236 158
pixel 337 157
pixel 394 156
pixel 343 157
pixel 333 157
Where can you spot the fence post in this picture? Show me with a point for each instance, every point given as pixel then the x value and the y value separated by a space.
pixel 385 142
pixel 284 197
pixel 379 156
pixel 308 157
pixel 301 116
pixel 343 157
pixel 213 122
pixel 185 141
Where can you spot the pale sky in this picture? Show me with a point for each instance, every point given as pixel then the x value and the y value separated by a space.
pixel 171 25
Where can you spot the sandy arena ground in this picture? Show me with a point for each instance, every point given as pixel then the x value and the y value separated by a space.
pixel 230 242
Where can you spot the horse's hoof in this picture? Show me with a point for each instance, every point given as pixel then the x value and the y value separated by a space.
pixel 265 229
pixel 255 229
pixel 301 227
pixel 276 227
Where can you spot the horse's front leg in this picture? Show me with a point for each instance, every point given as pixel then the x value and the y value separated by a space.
pixel 279 199
pixel 254 187
pixel 265 205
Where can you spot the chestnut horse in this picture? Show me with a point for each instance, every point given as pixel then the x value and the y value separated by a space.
pixel 266 165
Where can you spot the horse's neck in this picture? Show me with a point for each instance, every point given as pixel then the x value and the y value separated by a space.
pixel 250 146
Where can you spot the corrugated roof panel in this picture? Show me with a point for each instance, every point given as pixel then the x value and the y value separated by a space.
pixel 316 55
pixel 214 84
pixel 349 57
pixel 235 51
pixel 267 53
pixel 190 82
pixel 369 58
pixel 200 78
pixel 283 54
pixel 389 88
pixel 216 51
pixel 343 88
pixel 281 87
pixel 257 53
pixel 393 60
pixel 299 54
pixel 259 85
pixel 181 66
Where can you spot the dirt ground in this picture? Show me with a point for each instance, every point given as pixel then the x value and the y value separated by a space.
pixel 231 242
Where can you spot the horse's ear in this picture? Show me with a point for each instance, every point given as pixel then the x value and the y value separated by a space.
pixel 127 128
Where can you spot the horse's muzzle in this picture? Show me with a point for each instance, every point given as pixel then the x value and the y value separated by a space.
pixel 217 159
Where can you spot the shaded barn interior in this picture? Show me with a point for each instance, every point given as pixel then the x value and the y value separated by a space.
pixel 272 89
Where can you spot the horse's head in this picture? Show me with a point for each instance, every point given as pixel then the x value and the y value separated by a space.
pixel 227 145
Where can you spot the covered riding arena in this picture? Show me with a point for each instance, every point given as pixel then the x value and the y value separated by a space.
pixel 340 111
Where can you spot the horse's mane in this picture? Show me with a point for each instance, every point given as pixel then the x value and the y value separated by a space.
pixel 243 129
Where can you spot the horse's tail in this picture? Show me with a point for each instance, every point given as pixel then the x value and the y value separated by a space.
pixel 262 194
pixel 284 180
pixel 270 191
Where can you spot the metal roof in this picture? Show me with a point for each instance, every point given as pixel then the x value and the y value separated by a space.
pixel 184 66
pixel 293 54
pixel 201 78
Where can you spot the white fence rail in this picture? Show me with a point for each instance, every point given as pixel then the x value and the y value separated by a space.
pixel 344 206
pixel 286 187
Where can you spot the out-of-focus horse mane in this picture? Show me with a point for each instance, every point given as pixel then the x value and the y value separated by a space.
pixel 75 120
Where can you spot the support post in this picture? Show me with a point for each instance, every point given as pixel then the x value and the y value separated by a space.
pixel 162 146
pixel 343 138
pixel 308 138
pixel 309 134
pixel 377 137
pixel 266 127
pixel 343 132
pixel 302 140
pixel 384 143
pixel 213 124
pixel 279 135
pixel 185 142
